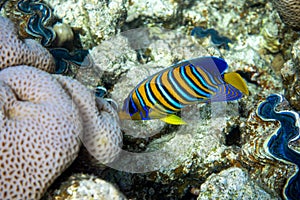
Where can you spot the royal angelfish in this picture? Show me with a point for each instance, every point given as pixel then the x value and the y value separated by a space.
pixel 163 94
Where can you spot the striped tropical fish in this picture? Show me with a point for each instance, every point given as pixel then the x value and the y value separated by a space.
pixel 163 94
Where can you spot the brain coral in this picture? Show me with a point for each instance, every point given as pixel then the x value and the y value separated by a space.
pixel 14 51
pixel 289 11
pixel 39 129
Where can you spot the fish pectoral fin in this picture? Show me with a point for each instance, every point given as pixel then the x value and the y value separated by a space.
pixel 173 119
pixel 236 81
pixel 125 116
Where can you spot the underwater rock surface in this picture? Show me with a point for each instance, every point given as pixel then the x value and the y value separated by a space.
pixel 291 75
pixel 80 186
pixel 94 20
pixel 232 183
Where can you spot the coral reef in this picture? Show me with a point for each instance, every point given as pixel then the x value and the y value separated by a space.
pixel 278 143
pixel 40 130
pixel 39 15
pixel 14 51
pixel 153 11
pixel 291 76
pixel 289 11
pixel 59 112
pixel 102 135
pixel 203 151
pixel 44 119
pixel 221 142
pixel 270 40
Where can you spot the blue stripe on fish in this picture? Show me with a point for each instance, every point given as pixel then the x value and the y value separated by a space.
pixel 183 93
pixel 189 82
pixel 165 93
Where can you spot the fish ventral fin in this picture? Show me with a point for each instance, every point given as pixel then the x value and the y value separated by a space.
pixel 236 81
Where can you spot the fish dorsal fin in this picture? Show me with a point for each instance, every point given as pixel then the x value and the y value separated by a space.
pixel 210 63
pixel 236 81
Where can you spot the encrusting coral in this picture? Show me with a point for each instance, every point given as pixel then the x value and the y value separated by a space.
pixel 44 118
pixel 39 132
pixel 14 51
pixel 102 137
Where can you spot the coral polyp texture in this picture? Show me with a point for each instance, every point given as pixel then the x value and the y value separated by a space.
pixel 102 134
pixel 39 130
pixel 278 143
pixel 289 11
pixel 14 51
pixel 43 119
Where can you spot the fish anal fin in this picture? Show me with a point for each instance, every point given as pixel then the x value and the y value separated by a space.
pixel 173 119
pixel 236 81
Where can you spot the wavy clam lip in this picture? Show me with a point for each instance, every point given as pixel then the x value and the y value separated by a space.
pixel 37 24
pixel 216 38
pixel 278 143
